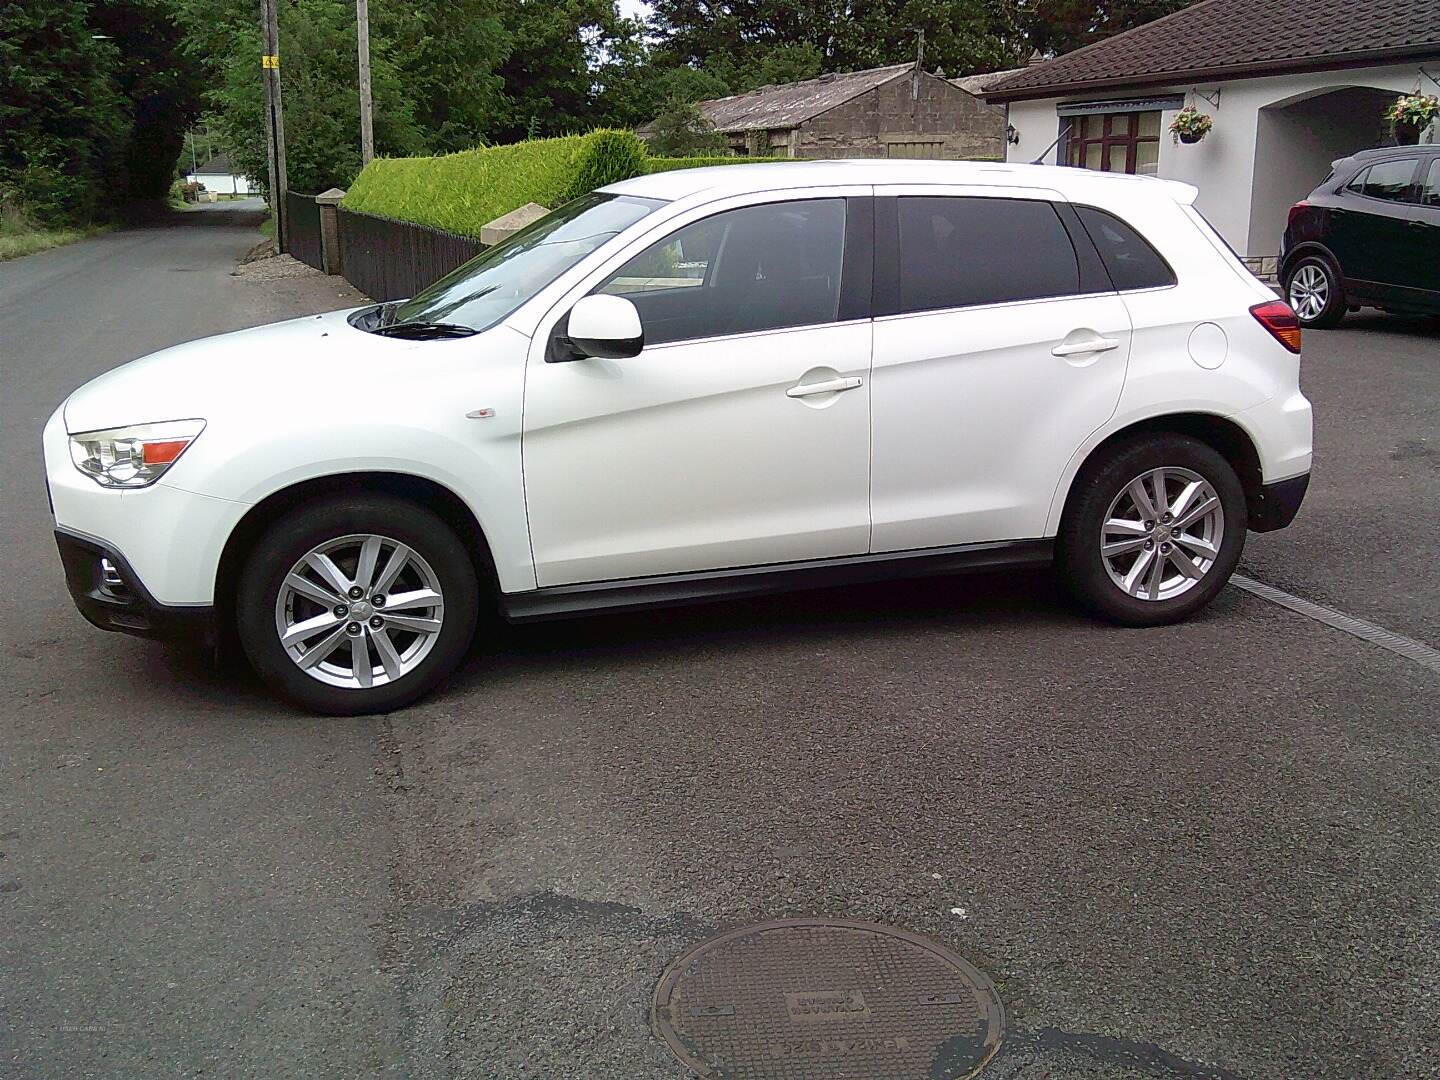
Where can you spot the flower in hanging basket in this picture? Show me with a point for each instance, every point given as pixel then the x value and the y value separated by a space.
pixel 1411 114
pixel 1191 126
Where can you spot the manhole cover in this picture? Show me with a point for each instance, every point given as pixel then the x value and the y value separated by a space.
pixel 797 999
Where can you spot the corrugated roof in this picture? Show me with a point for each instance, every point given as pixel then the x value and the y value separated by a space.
pixel 978 84
pixel 1230 38
pixel 791 104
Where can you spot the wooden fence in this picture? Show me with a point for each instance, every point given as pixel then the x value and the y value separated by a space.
pixel 302 229
pixel 391 260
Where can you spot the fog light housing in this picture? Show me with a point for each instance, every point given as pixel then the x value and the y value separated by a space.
pixel 112 584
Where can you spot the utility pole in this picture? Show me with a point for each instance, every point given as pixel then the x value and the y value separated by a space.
pixel 919 65
pixel 362 34
pixel 274 118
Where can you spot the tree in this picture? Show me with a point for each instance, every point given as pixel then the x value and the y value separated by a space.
pixel 161 89
pixel 1059 26
pixel 63 122
pixel 681 130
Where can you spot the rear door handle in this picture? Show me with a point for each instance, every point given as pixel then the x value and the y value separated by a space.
pixel 829 386
pixel 1090 345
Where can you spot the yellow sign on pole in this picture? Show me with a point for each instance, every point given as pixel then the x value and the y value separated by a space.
pixel 268 61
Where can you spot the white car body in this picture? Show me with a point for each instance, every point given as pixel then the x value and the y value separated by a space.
pixel 957 427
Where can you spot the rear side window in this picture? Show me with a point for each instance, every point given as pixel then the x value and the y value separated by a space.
pixel 1130 260
pixel 962 251
pixel 1430 192
pixel 1389 180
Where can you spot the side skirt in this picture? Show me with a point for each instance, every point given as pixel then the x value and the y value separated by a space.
pixel 634 594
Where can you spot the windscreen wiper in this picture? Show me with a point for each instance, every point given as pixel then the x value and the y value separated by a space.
pixel 419 330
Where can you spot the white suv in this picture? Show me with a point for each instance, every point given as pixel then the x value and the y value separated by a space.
pixel 692 385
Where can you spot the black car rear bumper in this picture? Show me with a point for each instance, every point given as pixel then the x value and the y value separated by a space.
pixel 1276 505
pixel 119 600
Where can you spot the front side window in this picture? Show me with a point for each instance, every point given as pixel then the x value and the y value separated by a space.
pixel 1126 142
pixel 1129 259
pixel 756 268
pixel 498 280
pixel 958 251
pixel 1388 180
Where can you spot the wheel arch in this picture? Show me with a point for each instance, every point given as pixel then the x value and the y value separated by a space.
pixel 1309 247
pixel 422 491
pixel 1220 433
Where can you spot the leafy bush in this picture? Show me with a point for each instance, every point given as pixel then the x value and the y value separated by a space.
pixel 462 192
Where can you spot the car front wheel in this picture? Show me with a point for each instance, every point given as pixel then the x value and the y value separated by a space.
pixel 1153 530
pixel 356 605
pixel 1315 294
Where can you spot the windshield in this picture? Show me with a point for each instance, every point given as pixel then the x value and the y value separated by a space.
pixel 498 280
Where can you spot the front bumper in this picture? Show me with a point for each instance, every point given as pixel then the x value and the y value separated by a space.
pixel 114 598
pixel 1276 505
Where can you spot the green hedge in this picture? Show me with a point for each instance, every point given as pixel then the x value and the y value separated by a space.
pixel 462 192
pixel 665 164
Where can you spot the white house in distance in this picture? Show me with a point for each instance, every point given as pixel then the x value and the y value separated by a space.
pixel 217 176
pixel 1290 87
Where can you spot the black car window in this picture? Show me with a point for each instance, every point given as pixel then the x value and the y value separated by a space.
pixel 1430 190
pixel 962 251
pixel 1130 260
pixel 1389 180
pixel 757 268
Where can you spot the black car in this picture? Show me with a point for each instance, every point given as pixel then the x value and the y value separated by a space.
pixel 1368 236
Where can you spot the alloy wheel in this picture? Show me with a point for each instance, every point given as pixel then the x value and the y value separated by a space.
pixel 359 611
pixel 1309 291
pixel 1162 533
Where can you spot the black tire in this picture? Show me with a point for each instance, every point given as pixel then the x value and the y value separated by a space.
pixel 1334 307
pixel 1102 480
pixel 291 537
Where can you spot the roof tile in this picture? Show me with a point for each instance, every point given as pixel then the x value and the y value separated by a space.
pixel 1245 35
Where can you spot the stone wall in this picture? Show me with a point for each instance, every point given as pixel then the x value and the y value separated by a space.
pixel 942 121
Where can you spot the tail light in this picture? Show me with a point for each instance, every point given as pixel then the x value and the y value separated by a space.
pixel 1277 317
pixel 1297 210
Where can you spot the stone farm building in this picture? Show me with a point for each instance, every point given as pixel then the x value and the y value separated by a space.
pixel 897 111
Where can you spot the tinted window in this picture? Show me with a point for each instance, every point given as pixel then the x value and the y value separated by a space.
pixel 1385 180
pixel 1129 258
pixel 1430 193
pixel 757 268
pixel 957 252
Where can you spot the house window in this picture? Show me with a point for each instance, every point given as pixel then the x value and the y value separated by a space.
pixel 1127 142
pixel 914 149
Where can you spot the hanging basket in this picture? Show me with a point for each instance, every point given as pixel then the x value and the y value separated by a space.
pixel 1190 126
pixel 1406 134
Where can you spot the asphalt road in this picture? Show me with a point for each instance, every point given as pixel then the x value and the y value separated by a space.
pixel 1203 851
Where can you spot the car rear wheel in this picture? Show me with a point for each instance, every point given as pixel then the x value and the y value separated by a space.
pixel 1315 294
pixel 356 605
pixel 1153 530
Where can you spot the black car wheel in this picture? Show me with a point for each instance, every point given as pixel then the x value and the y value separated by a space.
pixel 1153 529
pixel 357 604
pixel 1314 291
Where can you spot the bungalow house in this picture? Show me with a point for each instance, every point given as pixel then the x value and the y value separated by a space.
pixel 218 176
pixel 1290 88
pixel 899 111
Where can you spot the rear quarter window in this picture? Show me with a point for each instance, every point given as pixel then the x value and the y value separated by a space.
pixel 1131 261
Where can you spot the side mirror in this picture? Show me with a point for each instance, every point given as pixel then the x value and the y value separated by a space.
pixel 605 327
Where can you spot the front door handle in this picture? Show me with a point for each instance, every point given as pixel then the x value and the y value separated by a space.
pixel 1089 345
pixel 829 386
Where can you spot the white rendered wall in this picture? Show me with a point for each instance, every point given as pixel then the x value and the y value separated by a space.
pixel 1253 165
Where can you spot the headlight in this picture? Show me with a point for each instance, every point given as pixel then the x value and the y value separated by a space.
pixel 132 457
